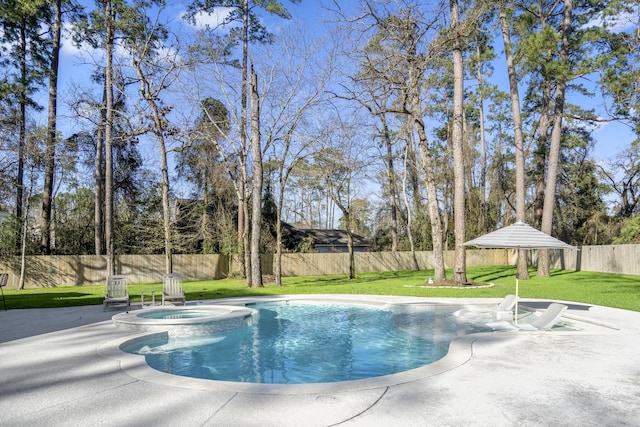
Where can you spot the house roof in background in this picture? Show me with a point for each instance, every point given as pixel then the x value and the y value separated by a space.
pixel 322 237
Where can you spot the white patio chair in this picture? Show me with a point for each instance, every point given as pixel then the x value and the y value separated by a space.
pixel 504 310
pixel 545 321
pixel 117 291
pixel 548 318
pixel 172 288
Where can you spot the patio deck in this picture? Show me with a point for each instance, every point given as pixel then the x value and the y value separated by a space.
pixel 51 373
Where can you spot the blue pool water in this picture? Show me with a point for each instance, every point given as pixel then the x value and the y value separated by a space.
pixel 293 343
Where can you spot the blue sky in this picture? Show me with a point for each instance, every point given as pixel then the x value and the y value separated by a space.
pixel 610 138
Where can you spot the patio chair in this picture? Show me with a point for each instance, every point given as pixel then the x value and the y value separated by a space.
pixel 172 288
pixel 504 310
pixel 545 321
pixel 4 277
pixel 117 291
pixel 550 317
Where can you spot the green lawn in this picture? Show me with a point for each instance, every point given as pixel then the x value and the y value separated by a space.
pixel 613 290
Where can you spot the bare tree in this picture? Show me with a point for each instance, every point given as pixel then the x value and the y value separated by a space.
pixel 375 94
pixel 156 73
pixel 339 165
pixel 623 176
pixel 251 30
pixel 413 105
pixel 407 205
pixel 400 53
pixel 296 75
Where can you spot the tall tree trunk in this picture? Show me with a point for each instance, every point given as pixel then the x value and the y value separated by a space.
pixel 391 176
pixel 159 123
pixel 243 217
pixel 556 139
pixel 432 202
pixel 279 203
pixel 352 257
pixel 166 210
pixel 206 223
pixel 522 268
pixel 23 233
pixel 482 226
pixel 413 100
pixel 164 165
pixel 540 157
pixel 256 189
pixel 98 220
pixel 50 154
pixel 459 208
pixel 278 261
pixel 407 206
pixel 108 136
pixel 246 238
pixel 22 132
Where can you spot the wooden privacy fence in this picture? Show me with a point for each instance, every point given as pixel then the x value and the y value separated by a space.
pixel 57 270
pixel 314 264
pixel 48 271
pixel 619 259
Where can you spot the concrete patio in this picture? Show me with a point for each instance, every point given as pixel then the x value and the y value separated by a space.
pixel 53 371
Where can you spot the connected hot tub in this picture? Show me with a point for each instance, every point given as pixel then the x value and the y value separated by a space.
pixel 186 321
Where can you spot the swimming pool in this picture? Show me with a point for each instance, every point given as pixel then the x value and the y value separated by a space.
pixel 311 341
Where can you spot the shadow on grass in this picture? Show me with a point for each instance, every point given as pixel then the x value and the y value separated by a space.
pixel 50 299
pixel 487 275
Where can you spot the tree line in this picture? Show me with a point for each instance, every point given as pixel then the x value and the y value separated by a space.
pixel 204 126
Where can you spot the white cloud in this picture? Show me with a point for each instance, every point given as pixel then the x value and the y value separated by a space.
pixel 69 48
pixel 618 23
pixel 211 20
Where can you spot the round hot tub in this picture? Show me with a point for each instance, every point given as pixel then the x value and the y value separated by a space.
pixel 186 321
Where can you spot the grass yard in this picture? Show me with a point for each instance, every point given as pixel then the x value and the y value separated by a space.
pixel 613 290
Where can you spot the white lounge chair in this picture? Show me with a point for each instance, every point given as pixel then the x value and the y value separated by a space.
pixel 504 310
pixel 117 291
pixel 549 317
pixel 172 288
pixel 546 320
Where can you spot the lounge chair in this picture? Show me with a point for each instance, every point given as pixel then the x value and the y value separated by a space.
pixel 117 291
pixel 504 310
pixel 550 317
pixel 172 288
pixel 545 321
pixel 507 303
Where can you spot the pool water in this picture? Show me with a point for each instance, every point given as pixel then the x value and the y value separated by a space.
pixel 298 343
